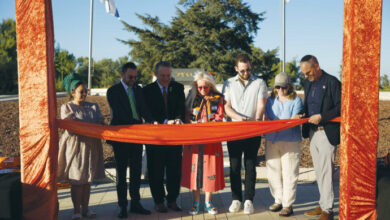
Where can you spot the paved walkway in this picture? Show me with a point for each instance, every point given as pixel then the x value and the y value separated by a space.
pixel 305 174
pixel 104 202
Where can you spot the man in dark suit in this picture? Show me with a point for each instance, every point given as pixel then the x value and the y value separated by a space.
pixel 165 100
pixel 127 107
pixel 322 104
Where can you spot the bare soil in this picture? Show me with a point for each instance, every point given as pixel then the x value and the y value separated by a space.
pixel 9 132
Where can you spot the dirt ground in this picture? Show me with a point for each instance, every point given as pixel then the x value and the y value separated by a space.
pixel 9 131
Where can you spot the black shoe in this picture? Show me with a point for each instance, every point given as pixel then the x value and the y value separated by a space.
pixel 122 213
pixel 174 207
pixel 136 207
pixel 286 212
pixel 161 208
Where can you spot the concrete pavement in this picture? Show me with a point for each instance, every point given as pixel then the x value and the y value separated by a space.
pixel 305 174
pixel 104 202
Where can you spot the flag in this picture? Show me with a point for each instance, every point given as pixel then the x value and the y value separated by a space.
pixel 110 7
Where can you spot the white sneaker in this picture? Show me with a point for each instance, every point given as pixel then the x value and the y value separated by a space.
pixel 248 207
pixel 235 206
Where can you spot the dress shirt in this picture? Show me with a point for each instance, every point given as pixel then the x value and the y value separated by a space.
pixel 162 88
pixel 314 97
pixel 244 98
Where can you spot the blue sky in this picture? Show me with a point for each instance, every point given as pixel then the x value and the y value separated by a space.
pixel 312 27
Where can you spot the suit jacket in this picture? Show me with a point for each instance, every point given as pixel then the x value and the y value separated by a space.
pixel 330 107
pixel 155 101
pixel 120 109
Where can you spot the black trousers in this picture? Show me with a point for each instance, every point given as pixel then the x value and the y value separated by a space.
pixel 164 160
pixel 128 154
pixel 10 196
pixel 383 193
pixel 249 147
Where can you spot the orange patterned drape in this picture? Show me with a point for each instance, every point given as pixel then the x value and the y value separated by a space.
pixel 37 108
pixel 359 109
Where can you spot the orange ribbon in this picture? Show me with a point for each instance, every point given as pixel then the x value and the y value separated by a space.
pixel 201 133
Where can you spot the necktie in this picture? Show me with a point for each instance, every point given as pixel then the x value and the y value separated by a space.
pixel 132 104
pixel 165 96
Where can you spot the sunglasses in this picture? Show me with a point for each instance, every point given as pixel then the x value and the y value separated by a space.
pixel 280 87
pixel 245 71
pixel 203 87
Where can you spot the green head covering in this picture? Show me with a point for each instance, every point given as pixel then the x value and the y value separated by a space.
pixel 70 81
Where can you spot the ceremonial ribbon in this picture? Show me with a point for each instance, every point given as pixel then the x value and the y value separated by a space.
pixel 163 134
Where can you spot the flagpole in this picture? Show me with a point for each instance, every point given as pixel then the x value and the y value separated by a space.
pixel 90 46
pixel 284 34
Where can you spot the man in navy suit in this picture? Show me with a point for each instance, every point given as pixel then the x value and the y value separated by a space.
pixel 322 103
pixel 127 107
pixel 165 100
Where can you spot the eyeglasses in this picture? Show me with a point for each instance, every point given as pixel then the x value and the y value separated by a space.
pixel 245 71
pixel 280 87
pixel 132 77
pixel 203 87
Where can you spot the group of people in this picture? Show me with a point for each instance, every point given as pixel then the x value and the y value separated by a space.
pixel 244 97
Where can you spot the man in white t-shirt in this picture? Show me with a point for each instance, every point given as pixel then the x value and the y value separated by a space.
pixel 245 96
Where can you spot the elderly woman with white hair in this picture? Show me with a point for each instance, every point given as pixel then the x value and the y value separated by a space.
pixel 282 147
pixel 202 166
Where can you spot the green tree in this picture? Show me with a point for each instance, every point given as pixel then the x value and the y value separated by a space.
pixel 121 61
pixel 265 64
pixel 384 82
pixel 208 34
pixel 82 68
pixel 108 72
pixel 294 71
pixel 105 72
pixel 8 58
pixel 64 64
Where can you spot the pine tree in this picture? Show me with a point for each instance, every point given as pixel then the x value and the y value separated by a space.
pixel 206 34
pixel 8 58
